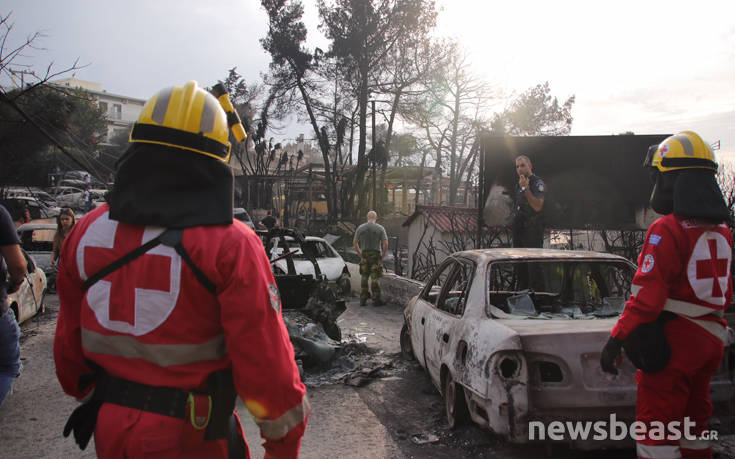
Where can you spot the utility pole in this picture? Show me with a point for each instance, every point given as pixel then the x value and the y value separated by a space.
pixel 375 202
pixel 480 191
pixel 22 74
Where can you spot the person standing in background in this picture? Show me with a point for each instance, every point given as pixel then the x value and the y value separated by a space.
pixel 64 223
pixel 371 244
pixel 527 221
pixel 12 273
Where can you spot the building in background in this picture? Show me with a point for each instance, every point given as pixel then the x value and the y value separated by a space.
pixel 121 111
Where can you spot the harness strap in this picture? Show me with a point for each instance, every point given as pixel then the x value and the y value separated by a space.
pixel 120 262
pixel 170 238
pixel 201 277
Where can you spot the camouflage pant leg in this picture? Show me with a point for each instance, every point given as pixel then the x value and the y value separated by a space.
pixel 370 267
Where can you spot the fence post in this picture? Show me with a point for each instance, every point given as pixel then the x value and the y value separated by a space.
pixel 396 258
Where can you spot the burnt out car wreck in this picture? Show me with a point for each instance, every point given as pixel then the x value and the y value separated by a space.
pixel 512 336
pixel 311 306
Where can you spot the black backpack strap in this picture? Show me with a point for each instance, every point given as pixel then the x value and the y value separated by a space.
pixel 120 262
pixel 170 238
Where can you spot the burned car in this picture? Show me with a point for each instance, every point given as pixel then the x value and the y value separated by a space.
pixel 37 239
pixel 27 301
pixel 511 336
pixel 311 306
pixel 328 262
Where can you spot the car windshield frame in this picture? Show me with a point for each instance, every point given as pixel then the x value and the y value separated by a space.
pixel 558 288
pixel 440 291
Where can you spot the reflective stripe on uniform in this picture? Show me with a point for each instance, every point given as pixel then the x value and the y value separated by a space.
pixel 715 328
pixel 278 428
pixel 164 355
pixel 694 444
pixel 690 309
pixel 658 451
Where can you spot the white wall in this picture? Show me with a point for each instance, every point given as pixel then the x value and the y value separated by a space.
pixel 432 237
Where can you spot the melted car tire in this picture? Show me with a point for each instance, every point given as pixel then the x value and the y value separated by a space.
pixel 455 404
pixel 406 348
pixel 344 285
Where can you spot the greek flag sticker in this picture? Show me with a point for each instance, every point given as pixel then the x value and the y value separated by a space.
pixel 654 239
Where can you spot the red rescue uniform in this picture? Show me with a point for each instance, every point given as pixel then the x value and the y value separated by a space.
pixel 152 322
pixel 684 267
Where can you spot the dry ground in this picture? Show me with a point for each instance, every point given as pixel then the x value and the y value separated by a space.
pixel 376 420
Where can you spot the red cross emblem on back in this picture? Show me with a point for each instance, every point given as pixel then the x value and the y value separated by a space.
pixel 713 268
pixel 139 296
pixel 150 272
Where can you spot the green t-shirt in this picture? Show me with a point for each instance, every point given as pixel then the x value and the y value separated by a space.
pixel 370 235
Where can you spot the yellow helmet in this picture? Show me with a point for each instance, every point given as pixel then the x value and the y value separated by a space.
pixel 185 117
pixel 685 150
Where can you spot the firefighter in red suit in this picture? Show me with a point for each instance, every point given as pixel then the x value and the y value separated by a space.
pixel 683 285
pixel 159 344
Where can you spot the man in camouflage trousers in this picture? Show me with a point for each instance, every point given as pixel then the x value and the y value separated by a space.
pixel 371 244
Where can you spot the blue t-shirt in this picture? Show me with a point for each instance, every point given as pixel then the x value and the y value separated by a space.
pixel 8 236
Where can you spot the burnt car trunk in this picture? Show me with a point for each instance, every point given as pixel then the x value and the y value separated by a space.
pixel 564 366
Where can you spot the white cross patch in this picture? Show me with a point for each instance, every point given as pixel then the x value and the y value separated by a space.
pixel 648 263
pixel 152 306
pixel 708 270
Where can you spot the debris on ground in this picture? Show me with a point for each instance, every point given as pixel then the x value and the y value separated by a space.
pixel 324 307
pixel 354 364
pixel 424 438
pixel 311 344
pixel 313 329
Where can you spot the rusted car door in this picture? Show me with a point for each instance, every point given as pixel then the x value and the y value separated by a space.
pixel 443 317
pixel 424 304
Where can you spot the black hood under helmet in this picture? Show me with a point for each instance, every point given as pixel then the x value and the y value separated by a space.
pixel 690 193
pixel 171 187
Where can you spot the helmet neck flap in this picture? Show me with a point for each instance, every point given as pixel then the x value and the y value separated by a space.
pixel 697 195
pixel 662 196
pixel 171 187
pixel 689 193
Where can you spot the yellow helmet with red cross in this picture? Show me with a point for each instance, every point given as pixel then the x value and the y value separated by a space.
pixel 685 150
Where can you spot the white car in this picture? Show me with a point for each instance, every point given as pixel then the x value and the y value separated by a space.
pixel 28 300
pixel 329 261
pixel 37 209
pixel 37 239
pixel 513 336
pixel 30 192
pixel 74 198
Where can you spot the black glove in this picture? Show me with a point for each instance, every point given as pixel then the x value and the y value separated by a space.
pixel 610 353
pixel 82 422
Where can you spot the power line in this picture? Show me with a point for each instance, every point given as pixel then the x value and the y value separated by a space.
pixel 45 133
